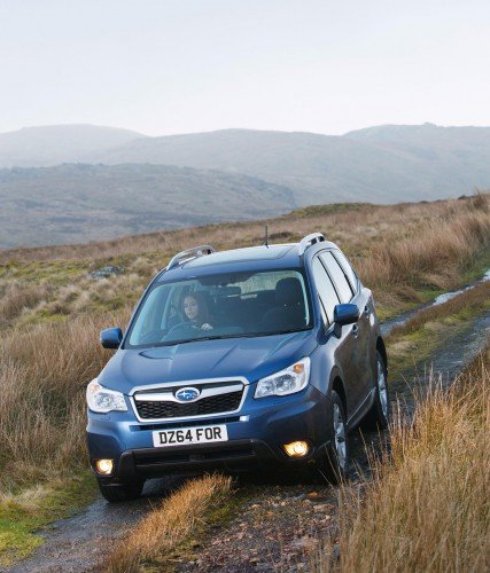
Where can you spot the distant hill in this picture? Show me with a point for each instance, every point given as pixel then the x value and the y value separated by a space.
pixel 383 164
pixel 130 183
pixel 51 145
pixel 318 168
pixel 77 203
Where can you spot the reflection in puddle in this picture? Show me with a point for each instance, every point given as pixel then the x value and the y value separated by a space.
pixel 442 298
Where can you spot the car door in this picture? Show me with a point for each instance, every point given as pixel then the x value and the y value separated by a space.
pixel 359 331
pixel 364 300
pixel 346 348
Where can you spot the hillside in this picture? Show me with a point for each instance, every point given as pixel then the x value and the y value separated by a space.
pixel 448 154
pixel 51 145
pixel 318 168
pixel 383 164
pixel 76 203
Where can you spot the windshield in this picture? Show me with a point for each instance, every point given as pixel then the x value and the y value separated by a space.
pixel 222 306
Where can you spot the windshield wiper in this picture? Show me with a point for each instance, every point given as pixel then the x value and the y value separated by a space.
pixel 186 340
pixel 223 336
pixel 289 330
pixel 275 332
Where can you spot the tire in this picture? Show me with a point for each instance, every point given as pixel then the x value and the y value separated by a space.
pixel 121 492
pixel 334 461
pixel 378 417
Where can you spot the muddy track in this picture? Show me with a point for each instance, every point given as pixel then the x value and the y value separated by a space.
pixel 277 527
pixel 78 543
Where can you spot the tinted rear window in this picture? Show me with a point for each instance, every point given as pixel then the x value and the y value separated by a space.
pixel 348 270
pixel 326 291
pixel 342 286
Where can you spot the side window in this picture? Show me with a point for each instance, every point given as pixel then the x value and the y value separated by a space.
pixel 328 296
pixel 348 270
pixel 337 274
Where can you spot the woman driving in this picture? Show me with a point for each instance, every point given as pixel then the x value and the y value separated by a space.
pixel 195 311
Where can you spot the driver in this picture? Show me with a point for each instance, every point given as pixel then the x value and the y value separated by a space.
pixel 195 311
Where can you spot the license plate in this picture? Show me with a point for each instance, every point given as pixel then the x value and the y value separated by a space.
pixel 190 436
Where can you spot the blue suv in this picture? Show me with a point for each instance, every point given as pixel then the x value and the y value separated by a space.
pixel 255 357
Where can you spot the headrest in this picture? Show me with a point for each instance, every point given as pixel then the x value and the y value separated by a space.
pixel 289 292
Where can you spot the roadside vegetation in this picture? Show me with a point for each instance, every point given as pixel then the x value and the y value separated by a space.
pixel 155 544
pixel 412 344
pixel 52 308
pixel 427 508
pixel 23 514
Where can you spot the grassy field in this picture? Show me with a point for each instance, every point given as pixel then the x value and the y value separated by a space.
pixel 427 508
pixel 51 311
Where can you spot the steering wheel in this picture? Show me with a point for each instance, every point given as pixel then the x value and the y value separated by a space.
pixel 181 330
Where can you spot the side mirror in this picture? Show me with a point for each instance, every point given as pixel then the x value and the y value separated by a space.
pixel 345 314
pixel 111 337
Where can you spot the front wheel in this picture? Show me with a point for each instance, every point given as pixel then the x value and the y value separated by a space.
pixel 334 461
pixel 378 416
pixel 121 492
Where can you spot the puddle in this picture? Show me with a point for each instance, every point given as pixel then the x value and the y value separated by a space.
pixel 402 319
pixel 442 298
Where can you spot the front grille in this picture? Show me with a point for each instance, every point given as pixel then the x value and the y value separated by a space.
pixel 151 410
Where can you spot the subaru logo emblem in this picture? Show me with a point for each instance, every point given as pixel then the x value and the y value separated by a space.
pixel 187 394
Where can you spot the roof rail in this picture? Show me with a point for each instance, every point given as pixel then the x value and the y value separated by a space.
pixel 189 254
pixel 310 240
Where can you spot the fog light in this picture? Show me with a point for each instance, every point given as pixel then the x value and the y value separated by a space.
pixel 297 449
pixel 104 467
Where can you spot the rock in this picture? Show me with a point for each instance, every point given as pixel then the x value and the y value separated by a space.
pixel 106 272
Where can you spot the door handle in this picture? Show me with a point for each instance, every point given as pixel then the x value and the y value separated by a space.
pixel 367 310
pixel 355 330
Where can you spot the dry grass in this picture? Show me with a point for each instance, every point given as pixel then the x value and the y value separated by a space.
pixel 397 249
pixel 160 533
pixel 43 375
pixel 428 508
pixel 18 297
pixel 431 255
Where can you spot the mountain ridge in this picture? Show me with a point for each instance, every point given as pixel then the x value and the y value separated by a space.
pixel 54 144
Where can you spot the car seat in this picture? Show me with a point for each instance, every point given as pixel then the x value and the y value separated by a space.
pixel 289 310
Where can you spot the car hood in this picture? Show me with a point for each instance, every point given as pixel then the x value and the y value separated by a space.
pixel 252 358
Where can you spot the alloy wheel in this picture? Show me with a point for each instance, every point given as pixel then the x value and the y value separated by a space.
pixel 382 390
pixel 339 436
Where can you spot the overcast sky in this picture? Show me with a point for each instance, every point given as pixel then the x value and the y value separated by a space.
pixel 177 66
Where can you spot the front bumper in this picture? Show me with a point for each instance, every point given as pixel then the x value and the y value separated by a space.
pixel 256 438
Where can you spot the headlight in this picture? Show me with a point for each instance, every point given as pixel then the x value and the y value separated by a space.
pixel 103 400
pixel 288 381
